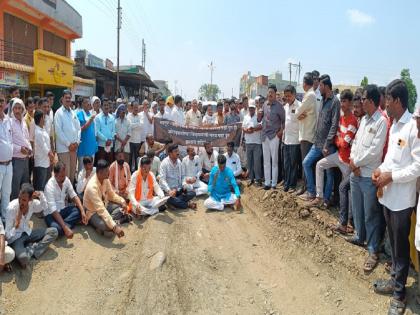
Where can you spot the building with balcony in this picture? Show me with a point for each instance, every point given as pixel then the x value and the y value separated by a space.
pixel 35 46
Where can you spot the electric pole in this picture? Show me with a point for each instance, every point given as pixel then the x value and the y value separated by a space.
pixel 143 54
pixel 212 67
pixel 118 48
pixel 298 68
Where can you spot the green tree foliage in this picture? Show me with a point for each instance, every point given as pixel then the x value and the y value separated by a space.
pixel 412 91
pixel 209 92
pixel 364 82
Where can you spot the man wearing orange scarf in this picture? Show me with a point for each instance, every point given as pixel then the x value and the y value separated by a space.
pixel 145 194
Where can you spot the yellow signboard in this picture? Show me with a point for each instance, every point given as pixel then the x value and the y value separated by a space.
pixel 52 69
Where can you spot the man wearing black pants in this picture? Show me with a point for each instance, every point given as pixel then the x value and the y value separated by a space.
pixel 396 181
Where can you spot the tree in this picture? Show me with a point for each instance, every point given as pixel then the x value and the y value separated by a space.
pixel 412 91
pixel 364 82
pixel 209 92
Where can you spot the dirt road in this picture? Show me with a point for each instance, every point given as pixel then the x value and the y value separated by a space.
pixel 216 263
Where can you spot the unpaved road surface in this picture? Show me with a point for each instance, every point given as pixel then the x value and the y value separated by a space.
pixel 216 263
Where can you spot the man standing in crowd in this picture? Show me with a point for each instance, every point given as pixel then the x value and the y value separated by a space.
pixel 6 155
pixel 193 117
pixel 136 130
pixel 60 215
pixel 191 171
pixel 88 145
pixel 232 117
pixel 13 93
pixel 307 115
pixel 162 114
pixel 177 114
pixel 244 111
pixel 43 155
pixel 171 180
pixel 105 132
pixel 122 132
pixel 251 128
pixel 208 159
pixel 146 118
pixel 120 175
pixel 396 182
pixel 219 114
pixel 103 205
pixel 326 130
pixel 365 157
pixel 67 130
pixel 27 243
pixel 272 132
pixel 317 90
pixel 22 148
pixel 345 135
pixel 291 146
pixel 209 119
pixel 44 104
pixel 221 182
pixel 145 194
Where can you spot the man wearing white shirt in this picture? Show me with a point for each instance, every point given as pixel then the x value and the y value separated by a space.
pixel 19 234
pixel 209 119
pixel 44 105
pixel 177 114
pixel 85 175
pixel 59 215
pixel 365 157
pixel 7 254
pixel 208 159
pixel 145 194
pixel 162 113
pixel 43 155
pixel 291 143
pixel 6 155
pixel 233 161
pixel 245 108
pixel 136 130
pixel 396 182
pixel 191 171
pixel 307 115
pixel 67 131
pixel 315 76
pixel 146 118
pixel 193 116
pixel 251 128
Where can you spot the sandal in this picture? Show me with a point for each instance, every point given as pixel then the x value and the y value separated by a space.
pixel 350 229
pixel 388 266
pixel 382 286
pixel 370 263
pixel 338 228
pixel 397 307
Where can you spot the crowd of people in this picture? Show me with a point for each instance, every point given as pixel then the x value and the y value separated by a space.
pixel 95 162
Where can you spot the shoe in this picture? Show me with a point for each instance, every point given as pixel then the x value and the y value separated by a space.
pixel 273 187
pixel 300 191
pixel 259 183
pixel 397 307
pixel 382 286
pixel 307 197
pixel 162 208
pixel 292 191
pixel 266 187
pixel 317 203
pixel 285 189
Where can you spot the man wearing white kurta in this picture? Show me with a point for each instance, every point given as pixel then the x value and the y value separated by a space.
pixel 191 171
pixel 146 196
pixel 396 181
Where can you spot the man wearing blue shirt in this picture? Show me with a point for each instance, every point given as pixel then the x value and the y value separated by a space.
pixel 220 183
pixel 105 133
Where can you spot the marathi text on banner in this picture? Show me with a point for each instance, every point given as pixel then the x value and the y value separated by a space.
pixel 166 130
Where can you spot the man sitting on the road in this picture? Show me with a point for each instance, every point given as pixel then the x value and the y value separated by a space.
pixel 103 205
pixel 191 171
pixel 220 183
pixel 208 160
pixel 171 180
pixel 145 194
pixel 233 162
pixel 7 254
pixel 59 214
pixel 26 242
pixel 151 144
pixel 85 175
pixel 120 175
